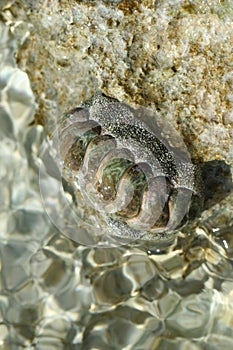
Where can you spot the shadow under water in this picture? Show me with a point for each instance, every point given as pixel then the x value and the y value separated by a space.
pixel 217 179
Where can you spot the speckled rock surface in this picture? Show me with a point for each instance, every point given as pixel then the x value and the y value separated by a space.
pixel 172 55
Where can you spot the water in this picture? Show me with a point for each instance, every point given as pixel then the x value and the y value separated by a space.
pixel 57 294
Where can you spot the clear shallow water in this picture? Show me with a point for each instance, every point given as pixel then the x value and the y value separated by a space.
pixel 56 294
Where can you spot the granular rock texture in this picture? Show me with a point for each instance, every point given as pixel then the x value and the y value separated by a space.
pixel 172 55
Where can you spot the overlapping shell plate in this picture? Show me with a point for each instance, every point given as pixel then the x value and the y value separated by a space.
pixel 127 167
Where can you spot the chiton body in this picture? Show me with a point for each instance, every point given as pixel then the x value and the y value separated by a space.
pixel 126 169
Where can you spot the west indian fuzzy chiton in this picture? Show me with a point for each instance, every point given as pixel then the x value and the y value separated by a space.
pixel 129 168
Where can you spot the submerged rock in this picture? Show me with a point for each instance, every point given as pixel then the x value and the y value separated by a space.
pixel 174 57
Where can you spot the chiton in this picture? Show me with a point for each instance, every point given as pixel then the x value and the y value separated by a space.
pixel 128 167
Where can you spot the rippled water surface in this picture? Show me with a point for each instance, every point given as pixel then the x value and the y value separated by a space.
pixel 57 294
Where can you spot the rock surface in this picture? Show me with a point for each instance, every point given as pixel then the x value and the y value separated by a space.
pixel 171 55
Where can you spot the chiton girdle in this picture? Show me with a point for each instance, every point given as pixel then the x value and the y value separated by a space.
pixel 126 169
